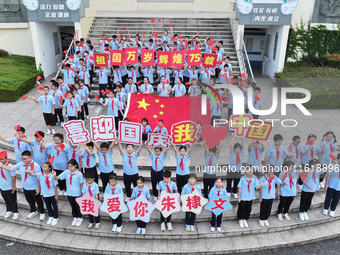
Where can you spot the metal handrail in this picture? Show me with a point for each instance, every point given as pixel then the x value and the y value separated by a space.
pixel 244 61
pixel 249 66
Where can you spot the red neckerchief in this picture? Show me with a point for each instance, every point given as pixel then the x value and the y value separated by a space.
pixel 47 180
pixel 181 164
pixel 249 182
pixel 257 154
pixel 2 171
pixel 104 155
pixel 89 189
pixel 269 181
pixel 167 187
pixel 291 182
pixel 130 161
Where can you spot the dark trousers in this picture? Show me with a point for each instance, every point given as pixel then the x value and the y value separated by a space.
pixel 85 109
pixel 10 200
pixel 141 224
pixel 94 170
pixel 81 114
pixel 265 208
pixel 124 79
pixel 51 202
pixel 306 201
pixel 75 207
pixel 61 183
pixel 190 218
pixel 230 112
pixel 59 114
pixel 93 219
pixel 156 177
pixel 102 87
pixel 105 178
pixel 128 180
pixel 91 76
pixel 213 220
pixel 229 181
pixel 167 219
pixel 71 118
pixel 255 117
pixel 116 122
pixel 244 210
pixel 331 199
pixel 50 119
pixel 181 180
pixel 33 198
pixel 284 204
pixel 208 183
pixel 118 221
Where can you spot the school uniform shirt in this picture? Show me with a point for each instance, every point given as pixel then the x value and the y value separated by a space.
pixel 133 75
pixel 312 180
pixel 329 149
pixel 230 67
pixel 194 91
pixel 68 76
pixel 79 96
pixel 296 150
pixel 171 186
pixel 165 38
pixel 256 104
pixel 148 73
pixel 136 192
pixel 160 161
pixel 87 63
pixel 93 187
pixel 47 103
pixel 73 182
pixel 117 76
pixel 56 96
pixel 206 74
pixel 39 154
pixel 216 108
pixel 210 164
pixel 105 162
pixel 130 163
pixel 187 189
pixel 72 153
pixel 28 182
pixel 63 88
pixel 130 89
pixel 255 156
pixel 114 45
pixel 114 190
pixel 161 130
pixel 85 91
pixel 179 89
pixel 19 147
pixel 112 106
pixel 60 157
pixel 6 178
pixel 89 160
pixel 146 88
pixel 146 130
pixel 248 186
pixel 334 179
pixel 207 48
pixel 312 154
pixel 217 192
pixel 230 104
pixel 289 190
pixel 78 100
pixel 121 98
pixel 164 88
pixel 165 72
pixel 235 163
pixel 47 184
pixel 84 76
pixel 182 164
pixel 150 47
pixel 71 107
pixel 268 191
pixel 103 76
pixel 275 155
pixel 223 73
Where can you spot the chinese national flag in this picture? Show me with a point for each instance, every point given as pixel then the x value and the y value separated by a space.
pixel 209 60
pixel 169 109
pixel 100 59
pixel 147 57
pixel 194 57
pixel 164 58
pixel 177 58
pixel 116 57
pixel 131 55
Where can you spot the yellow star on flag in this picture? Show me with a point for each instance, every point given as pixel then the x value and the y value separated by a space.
pixel 162 105
pixel 155 116
pixel 157 100
pixel 143 104
pixel 161 113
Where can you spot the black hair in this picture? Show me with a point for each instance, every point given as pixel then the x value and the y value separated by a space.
pixel 161 121
pixel 88 41
pixel 295 137
pixel 113 177
pixel 180 78
pixel 48 164
pixel 277 137
pixel 59 77
pixel 81 81
pixel 226 65
pixel 221 42
pixel 287 164
pixel 310 136
pixel 58 135
pixel 167 174
pixel 219 178
pixel 257 89
pixel 114 36
pixel 324 137
pixel 214 149
pixel 26 153
pixel 90 144
pixel 89 175
pixel 141 178
pixel 338 156
pixel 175 35
pixel 47 87
pixel 41 133
pixel 145 77
pixel 227 57
pixel 182 147
pixel 313 162
pixel 237 145
pixel 150 40
pixel 252 84
pixel 86 52
pixel 73 162
pixel 129 144
pixel 192 175
pixel 104 145
pixel 158 148
pixel 55 84
pixel 146 120
pixel 22 129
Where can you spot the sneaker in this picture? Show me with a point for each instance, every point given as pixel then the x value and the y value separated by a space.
pixel 322 185
pixel 79 222
pixel 15 216
pixel 88 117
pixel 138 230
pixel 306 216
pixel 49 221
pixel 286 216
pixel 279 217
pixel 219 229
pixel 235 195
pixel 127 199
pixel 8 214
pixel 32 214
pixel 187 228
pixel 119 229
pixel 299 186
pixel 97 225
pixel 155 199
pixel 143 231
pixel 241 223
pixel 325 212
pixel 192 228
pixel 60 193
pixel 169 226
pixel 74 222
pixel 114 228
pixel 245 223
pixel 42 216
pixel 331 213
pixel 49 132
pixel 54 222
pixel 261 222
pixel 53 131
pixel 266 223
pixel 162 226
pixel 212 229
pixel 90 225
pixel 302 216
pixel 61 124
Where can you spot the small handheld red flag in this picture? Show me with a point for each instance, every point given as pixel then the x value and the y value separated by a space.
pixel 310 142
pixel 96 97
pixel 91 57
pixel 40 87
pixel 121 35
pixel 155 34
pixel 61 98
pixel 187 83
pixel 74 34
pixel 143 36
pixel 17 127
pixel 197 32
pixel 332 156
pixel 107 91
pixel 72 69
pixel 243 75
pixel 160 20
pixel 152 21
pixel 138 82
pixel 51 160
pixel 68 84
pixel 127 29
pixel 170 25
pixel 39 78
pixel 99 43
pixel 65 51
pixel 24 97
pixel 227 100
pixel 102 91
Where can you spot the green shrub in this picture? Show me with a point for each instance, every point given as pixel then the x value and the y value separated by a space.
pixel 3 53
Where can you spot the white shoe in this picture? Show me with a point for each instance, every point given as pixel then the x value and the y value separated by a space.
pixel 155 199
pixel 325 212
pixel 169 226
pixel 241 223
pixel 279 217
pixel 306 216
pixel 31 215
pixel 219 229
pixel 79 222
pixel 138 230
pixel 286 216
pixel 235 195
pixel 245 223
pixel 143 231
pixel 54 222
pixel 187 228
pixel 162 226
pixel 322 185
pixel 299 186
pixel 192 228
pixel 60 193
pixel 42 216
pixel 302 216
pixel 331 213
pixel 15 216
pixel 119 229
pixel 8 214
pixel 114 228
pixel 74 222
pixel 53 131
pixel 212 229
pixel 90 225
pixel 127 199
pixel 62 124
pixel 266 223
pixel 88 117
pixel 49 221
pixel 261 222
pixel 97 225
pixel 48 132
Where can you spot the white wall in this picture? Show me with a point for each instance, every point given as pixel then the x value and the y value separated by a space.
pixel 304 11
pixel 42 36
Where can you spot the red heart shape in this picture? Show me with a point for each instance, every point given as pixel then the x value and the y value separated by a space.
pixel 213 137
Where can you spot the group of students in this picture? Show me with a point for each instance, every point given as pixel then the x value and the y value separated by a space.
pixel 70 162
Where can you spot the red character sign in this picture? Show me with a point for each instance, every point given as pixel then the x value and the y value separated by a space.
pixel 147 57
pixel 100 60
pixel 177 58
pixel 114 204
pixel 116 57
pixel 88 205
pixel 168 203
pixel 209 60
pixel 259 130
pixel 103 128
pixel 76 132
pixel 184 132
pixel 158 140
pixel 130 132
pixel 131 55
pixel 164 58
pixel 239 123
pixel 194 57
pixel 140 209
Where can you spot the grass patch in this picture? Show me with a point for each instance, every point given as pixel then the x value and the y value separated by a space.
pixel 17 76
